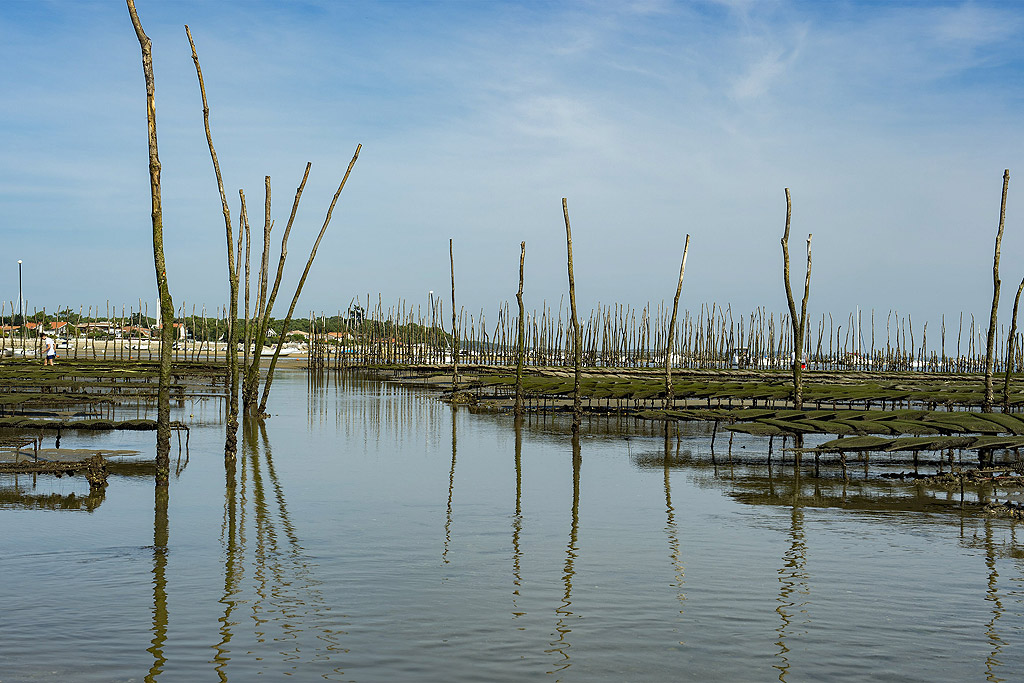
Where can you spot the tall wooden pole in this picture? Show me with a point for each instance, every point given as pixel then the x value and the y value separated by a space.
pixel 986 405
pixel 262 411
pixel 231 438
pixel 1010 350
pixel 669 394
pixel 521 340
pixel 455 329
pixel 163 430
pixel 243 217
pixel 577 405
pixel 251 383
pixel 798 322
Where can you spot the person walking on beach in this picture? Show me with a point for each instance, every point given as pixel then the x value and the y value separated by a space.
pixel 51 349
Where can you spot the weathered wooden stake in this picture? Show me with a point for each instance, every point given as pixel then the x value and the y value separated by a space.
pixel 298 288
pixel 577 406
pixel 986 405
pixel 669 395
pixel 455 329
pixel 799 323
pixel 163 432
pixel 521 339
pixel 1009 349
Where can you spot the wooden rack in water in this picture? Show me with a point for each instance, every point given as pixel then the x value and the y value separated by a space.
pixel 614 335
pixel 624 337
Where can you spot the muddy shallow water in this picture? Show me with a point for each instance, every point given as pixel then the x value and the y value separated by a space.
pixel 371 533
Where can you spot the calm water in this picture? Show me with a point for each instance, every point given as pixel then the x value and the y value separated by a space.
pixel 370 533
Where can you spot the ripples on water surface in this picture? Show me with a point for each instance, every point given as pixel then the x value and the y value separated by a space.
pixel 369 533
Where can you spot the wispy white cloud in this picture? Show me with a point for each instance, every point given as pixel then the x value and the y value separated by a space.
pixel 761 75
pixel 656 118
pixel 972 26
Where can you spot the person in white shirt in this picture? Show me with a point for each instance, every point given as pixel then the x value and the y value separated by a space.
pixel 51 349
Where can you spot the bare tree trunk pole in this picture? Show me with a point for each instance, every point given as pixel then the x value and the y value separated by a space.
pixel 268 308
pixel 798 323
pixel 247 336
pixel 986 406
pixel 298 288
pixel 1010 349
pixel 266 303
pixel 669 394
pixel 577 405
pixel 251 386
pixel 521 341
pixel 231 437
pixel 455 329
pixel 163 429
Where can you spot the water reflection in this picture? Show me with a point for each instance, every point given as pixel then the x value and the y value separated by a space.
pixel 160 537
pixel 517 522
pixel 233 570
pixel 367 409
pixel 675 554
pixel 561 645
pixel 384 413
pixel 793 589
pixel 451 490
pixel 270 579
pixel 17 497
pixel 180 465
pixel 993 597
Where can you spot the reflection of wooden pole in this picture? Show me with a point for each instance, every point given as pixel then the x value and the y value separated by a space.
pixel 517 522
pixel 986 405
pixel 561 646
pixel 160 538
pixel 577 406
pixel 521 342
pixel 231 557
pixel 163 421
pixel 451 489
pixel 669 395
pixel 1010 349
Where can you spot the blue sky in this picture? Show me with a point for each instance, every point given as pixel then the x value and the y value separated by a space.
pixel 890 122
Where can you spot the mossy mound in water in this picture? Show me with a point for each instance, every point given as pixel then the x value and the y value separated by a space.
pixel 461 398
pixel 29 423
